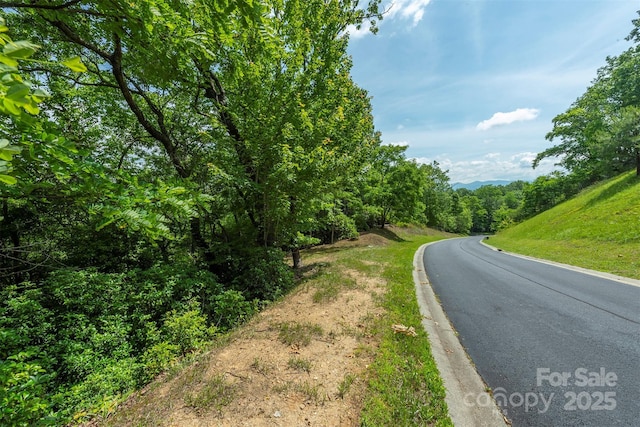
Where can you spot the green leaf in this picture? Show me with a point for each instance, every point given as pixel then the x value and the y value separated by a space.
pixel 18 93
pixel 31 108
pixel 75 64
pixel 6 69
pixel 21 49
pixel 11 107
pixel 105 223
pixel 8 179
pixel 8 61
pixel 39 95
pixel 7 153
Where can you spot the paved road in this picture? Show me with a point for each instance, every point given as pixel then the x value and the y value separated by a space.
pixel 557 347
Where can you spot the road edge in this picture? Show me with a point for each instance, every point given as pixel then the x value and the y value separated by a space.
pixel 466 395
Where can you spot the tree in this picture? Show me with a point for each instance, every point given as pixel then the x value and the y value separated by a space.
pixel 256 106
pixel 543 193
pixel 437 195
pixel 161 186
pixel 597 135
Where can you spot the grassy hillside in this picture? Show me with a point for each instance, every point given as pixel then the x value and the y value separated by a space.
pixel 597 229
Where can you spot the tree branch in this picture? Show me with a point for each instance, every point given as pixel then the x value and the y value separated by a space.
pixel 73 37
pixel 163 138
pixel 31 5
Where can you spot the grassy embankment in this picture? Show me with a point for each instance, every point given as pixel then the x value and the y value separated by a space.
pixel 598 229
pixel 405 386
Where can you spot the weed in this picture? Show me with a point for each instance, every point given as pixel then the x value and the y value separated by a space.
pixel 283 388
pixel 215 394
pixel 311 392
pixel 364 351
pixel 260 366
pixel 325 292
pixel 294 333
pixel 328 286
pixel 345 385
pixel 300 364
pixel 349 330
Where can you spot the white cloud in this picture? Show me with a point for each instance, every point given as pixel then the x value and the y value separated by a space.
pixel 492 166
pixel 519 115
pixel 407 9
pixel 401 9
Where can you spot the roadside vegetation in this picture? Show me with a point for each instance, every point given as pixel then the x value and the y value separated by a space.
pixel 405 387
pixel 160 161
pixel 320 361
pixel 597 229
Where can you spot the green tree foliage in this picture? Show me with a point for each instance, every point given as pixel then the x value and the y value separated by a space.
pixel 249 99
pixel 598 134
pixel 492 208
pixel 394 187
pixel 182 147
pixel 437 196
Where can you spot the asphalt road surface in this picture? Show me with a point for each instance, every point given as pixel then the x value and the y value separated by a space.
pixel 556 347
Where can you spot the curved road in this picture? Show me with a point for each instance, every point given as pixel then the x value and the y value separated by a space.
pixel 557 347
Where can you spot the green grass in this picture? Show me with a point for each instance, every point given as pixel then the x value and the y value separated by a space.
pixel 215 394
pixel 345 385
pixel 300 364
pixel 328 286
pixel 299 334
pixel 598 229
pixel 405 388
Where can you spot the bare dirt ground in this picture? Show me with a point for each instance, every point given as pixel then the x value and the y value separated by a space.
pixel 265 374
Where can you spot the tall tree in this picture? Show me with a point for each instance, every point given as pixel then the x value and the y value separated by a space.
pixel 250 99
pixel 597 135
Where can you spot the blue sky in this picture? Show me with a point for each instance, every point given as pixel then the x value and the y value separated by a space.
pixel 475 84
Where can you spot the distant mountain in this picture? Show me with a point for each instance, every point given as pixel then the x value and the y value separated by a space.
pixel 477 184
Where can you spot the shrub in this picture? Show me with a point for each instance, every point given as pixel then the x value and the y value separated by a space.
pixel 163 288
pixel 102 334
pixel 232 309
pixel 339 228
pixel 158 358
pixel 264 275
pixel 23 392
pixel 100 391
pixel 23 313
pixel 188 329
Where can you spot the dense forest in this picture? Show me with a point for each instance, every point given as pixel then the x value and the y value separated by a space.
pixel 160 160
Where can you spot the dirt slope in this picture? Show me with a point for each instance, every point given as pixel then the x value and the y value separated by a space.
pixel 266 374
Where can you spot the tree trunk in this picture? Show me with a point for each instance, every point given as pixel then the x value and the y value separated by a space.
pixel 198 241
pixel 297 258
